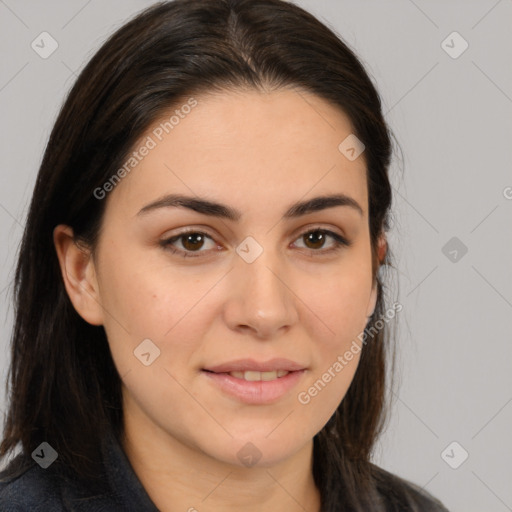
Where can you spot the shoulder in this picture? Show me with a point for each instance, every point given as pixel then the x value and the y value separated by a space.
pixel 401 495
pixel 25 486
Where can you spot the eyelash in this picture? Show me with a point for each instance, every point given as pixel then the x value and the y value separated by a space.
pixel 340 242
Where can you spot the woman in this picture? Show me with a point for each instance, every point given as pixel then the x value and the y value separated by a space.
pixel 199 319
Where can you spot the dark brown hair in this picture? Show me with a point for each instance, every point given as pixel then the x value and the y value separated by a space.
pixel 64 387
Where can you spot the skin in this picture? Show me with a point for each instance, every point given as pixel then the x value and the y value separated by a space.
pixel 259 153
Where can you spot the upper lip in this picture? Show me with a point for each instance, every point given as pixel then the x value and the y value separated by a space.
pixel 243 365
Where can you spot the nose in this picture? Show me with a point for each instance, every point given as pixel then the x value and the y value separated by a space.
pixel 261 299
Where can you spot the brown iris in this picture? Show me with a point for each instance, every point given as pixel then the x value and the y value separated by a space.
pixel 193 241
pixel 315 237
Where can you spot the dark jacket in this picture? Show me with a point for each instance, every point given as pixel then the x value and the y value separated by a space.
pixel 36 489
pixel 44 490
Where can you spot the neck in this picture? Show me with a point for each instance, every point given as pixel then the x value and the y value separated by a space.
pixel 178 477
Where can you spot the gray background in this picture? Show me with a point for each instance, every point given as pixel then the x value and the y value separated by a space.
pixel 453 120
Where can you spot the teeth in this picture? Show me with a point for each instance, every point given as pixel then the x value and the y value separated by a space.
pixel 255 376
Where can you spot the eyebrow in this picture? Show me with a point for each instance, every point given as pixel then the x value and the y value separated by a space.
pixel 214 209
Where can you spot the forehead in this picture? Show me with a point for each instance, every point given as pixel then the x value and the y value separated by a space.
pixel 250 149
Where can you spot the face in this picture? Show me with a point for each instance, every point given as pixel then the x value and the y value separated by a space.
pixel 191 291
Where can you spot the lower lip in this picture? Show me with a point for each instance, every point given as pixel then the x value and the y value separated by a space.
pixel 255 392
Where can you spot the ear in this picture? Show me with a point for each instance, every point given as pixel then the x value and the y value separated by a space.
pixel 372 302
pixel 79 275
pixel 381 254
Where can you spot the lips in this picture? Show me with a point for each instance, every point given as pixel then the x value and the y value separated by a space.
pixel 255 392
pixel 256 382
pixel 252 366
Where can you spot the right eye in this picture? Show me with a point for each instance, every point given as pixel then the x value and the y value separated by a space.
pixel 191 241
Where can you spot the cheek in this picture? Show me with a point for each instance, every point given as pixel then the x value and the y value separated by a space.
pixel 135 305
pixel 144 297
pixel 340 308
pixel 342 303
pixel 164 304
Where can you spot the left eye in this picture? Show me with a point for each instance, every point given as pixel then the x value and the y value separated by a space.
pixel 318 237
pixel 192 241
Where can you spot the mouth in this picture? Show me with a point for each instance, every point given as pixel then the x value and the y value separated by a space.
pixel 254 376
pixel 255 382
pixel 254 368
pixel 254 387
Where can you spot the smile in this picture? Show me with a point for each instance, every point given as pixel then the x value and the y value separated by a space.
pixel 254 376
pixel 254 387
